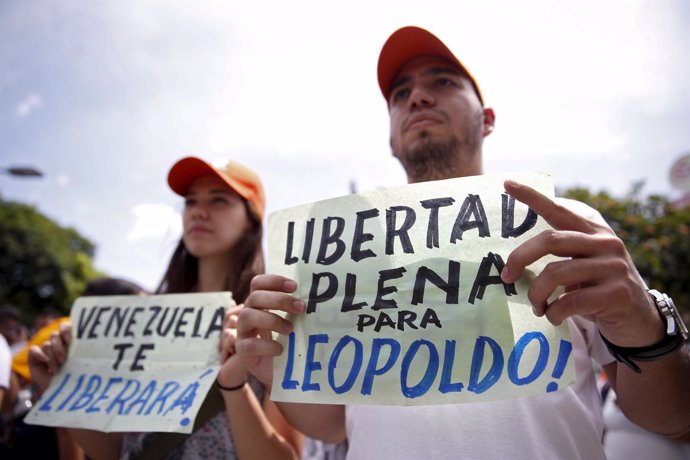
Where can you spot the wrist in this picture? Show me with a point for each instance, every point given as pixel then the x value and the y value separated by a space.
pixel 673 337
pixel 231 388
pixel 231 379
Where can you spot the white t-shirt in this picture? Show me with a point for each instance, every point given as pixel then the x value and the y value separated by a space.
pixel 565 424
pixel 5 363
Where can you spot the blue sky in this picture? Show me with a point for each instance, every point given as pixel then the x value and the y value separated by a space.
pixel 104 96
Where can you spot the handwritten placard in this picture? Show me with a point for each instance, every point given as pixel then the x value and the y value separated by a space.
pixel 404 303
pixel 136 363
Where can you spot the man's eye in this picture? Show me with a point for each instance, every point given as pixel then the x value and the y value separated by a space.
pixel 444 82
pixel 400 95
pixel 189 202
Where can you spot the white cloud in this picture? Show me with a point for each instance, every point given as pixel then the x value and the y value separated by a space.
pixel 63 180
pixel 32 102
pixel 153 221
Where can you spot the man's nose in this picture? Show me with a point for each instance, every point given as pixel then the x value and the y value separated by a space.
pixel 420 97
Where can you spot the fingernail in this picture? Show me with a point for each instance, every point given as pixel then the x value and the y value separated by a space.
pixel 298 306
pixel 505 274
pixel 289 285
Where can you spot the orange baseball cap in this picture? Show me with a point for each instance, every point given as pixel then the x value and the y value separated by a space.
pixel 240 178
pixel 407 43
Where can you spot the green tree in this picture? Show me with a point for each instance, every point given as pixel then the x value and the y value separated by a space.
pixel 656 234
pixel 41 263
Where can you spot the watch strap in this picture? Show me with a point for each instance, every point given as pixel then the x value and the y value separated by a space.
pixel 628 355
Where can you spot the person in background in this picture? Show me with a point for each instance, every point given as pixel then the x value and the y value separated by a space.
pixel 43 318
pixel 10 324
pixel 22 337
pixel 438 122
pixel 220 250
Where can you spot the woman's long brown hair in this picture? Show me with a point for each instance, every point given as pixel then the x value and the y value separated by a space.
pixel 248 261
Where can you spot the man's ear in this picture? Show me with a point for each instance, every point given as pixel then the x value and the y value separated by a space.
pixel 489 120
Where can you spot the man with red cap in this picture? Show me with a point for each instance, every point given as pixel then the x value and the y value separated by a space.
pixel 438 122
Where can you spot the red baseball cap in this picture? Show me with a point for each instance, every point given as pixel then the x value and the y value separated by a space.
pixel 240 178
pixel 407 43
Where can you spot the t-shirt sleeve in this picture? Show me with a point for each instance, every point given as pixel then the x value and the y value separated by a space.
pixel 5 363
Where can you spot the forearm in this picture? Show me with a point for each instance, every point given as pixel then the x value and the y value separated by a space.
pixel 320 421
pixel 656 398
pixel 254 435
pixel 97 444
pixel 67 447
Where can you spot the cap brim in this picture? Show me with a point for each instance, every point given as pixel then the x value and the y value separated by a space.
pixel 185 171
pixel 407 43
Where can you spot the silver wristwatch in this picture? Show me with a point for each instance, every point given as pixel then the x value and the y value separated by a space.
pixel 676 335
pixel 665 305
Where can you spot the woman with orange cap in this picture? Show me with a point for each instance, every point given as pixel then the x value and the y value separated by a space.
pixel 220 250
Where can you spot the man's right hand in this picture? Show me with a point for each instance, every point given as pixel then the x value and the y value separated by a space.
pixel 255 344
pixel 45 361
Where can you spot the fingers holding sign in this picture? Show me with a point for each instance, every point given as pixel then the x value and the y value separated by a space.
pixel 46 360
pixel 232 371
pixel 226 346
pixel 598 274
pixel 257 323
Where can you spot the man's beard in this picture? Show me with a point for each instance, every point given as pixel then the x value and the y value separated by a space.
pixel 431 159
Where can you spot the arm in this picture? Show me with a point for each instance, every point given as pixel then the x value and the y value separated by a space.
pixel 602 284
pixel 68 448
pixel 44 362
pixel 258 432
pixel 256 348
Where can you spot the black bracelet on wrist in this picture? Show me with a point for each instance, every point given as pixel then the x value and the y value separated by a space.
pixel 675 337
pixel 235 388
pixel 628 355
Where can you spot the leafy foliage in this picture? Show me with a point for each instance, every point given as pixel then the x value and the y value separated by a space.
pixel 657 235
pixel 41 263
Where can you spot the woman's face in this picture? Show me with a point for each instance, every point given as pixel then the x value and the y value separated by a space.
pixel 214 218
